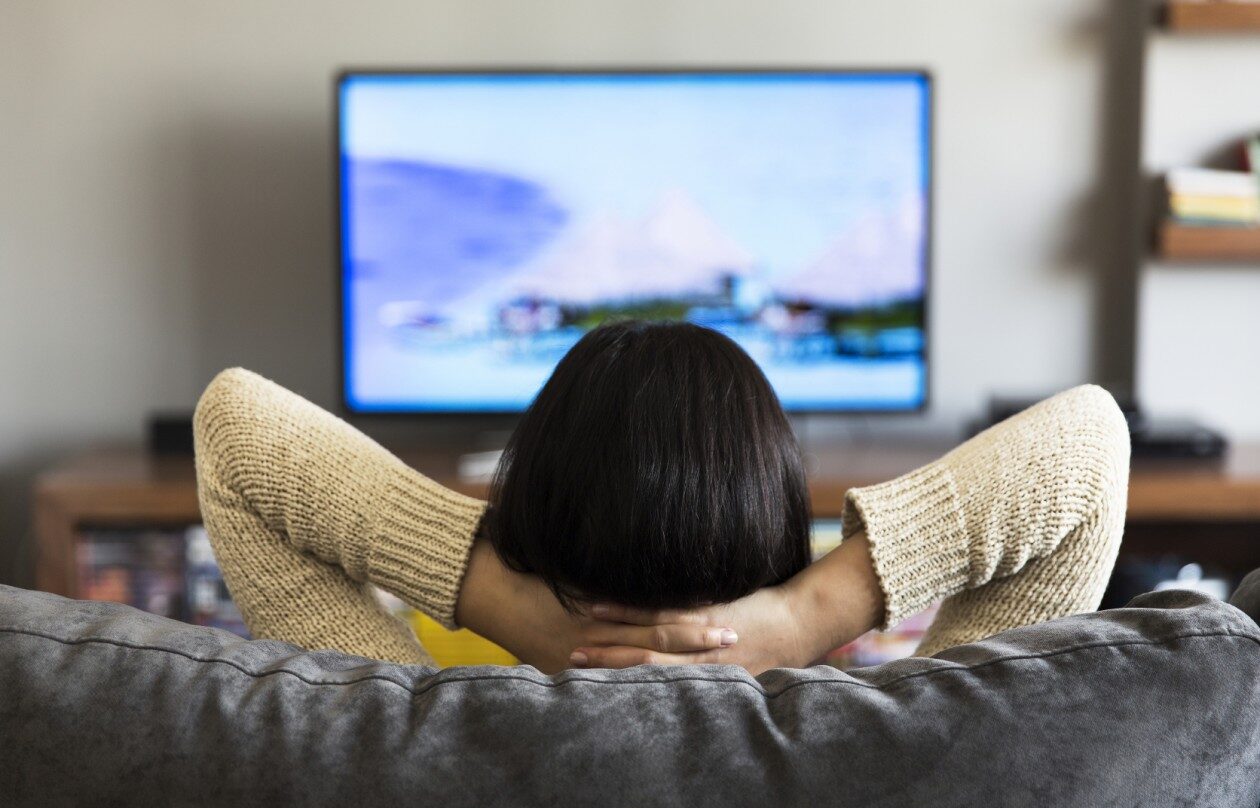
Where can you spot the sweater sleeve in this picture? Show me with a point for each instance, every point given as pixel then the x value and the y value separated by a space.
pixel 1020 524
pixel 305 513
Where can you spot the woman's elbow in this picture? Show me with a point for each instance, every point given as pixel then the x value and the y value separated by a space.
pixel 219 422
pixel 1103 440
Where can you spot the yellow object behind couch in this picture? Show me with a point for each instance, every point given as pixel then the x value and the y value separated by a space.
pixel 451 648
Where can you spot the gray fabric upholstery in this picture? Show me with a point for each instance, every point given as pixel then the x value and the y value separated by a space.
pixel 1155 704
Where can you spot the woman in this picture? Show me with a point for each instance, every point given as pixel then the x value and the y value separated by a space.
pixel 651 507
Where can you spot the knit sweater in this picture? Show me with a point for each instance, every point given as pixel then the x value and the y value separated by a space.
pixel 1017 525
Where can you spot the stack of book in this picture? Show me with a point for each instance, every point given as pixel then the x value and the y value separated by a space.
pixel 142 568
pixel 207 600
pixel 168 572
pixel 1208 197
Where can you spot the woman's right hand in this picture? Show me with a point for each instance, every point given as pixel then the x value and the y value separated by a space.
pixel 792 625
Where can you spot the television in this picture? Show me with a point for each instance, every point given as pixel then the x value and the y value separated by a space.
pixel 489 218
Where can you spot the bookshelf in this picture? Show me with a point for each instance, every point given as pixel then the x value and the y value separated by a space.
pixel 1175 241
pixel 1181 242
pixel 1212 16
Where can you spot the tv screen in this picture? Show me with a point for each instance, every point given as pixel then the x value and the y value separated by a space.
pixel 489 219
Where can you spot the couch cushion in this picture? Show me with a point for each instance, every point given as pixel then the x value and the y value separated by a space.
pixel 1155 704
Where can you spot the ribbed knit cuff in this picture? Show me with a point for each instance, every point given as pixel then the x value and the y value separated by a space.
pixel 422 536
pixel 916 532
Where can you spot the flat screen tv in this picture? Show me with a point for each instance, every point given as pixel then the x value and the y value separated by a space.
pixel 490 218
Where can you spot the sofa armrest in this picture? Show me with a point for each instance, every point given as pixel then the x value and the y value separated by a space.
pixel 1154 704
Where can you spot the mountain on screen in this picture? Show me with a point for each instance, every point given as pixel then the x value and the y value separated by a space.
pixel 675 250
pixel 431 232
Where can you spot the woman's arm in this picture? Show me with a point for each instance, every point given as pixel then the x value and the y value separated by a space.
pixel 304 512
pixel 1017 525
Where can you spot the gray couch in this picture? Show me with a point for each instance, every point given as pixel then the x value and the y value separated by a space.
pixel 1155 704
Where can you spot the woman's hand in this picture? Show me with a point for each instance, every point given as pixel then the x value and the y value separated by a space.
pixel 823 607
pixel 520 613
pixel 767 631
pixel 829 603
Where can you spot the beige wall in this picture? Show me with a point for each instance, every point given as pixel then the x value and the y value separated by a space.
pixel 165 201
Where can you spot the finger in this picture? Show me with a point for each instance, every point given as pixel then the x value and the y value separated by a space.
pixel 647 617
pixel 671 639
pixel 624 656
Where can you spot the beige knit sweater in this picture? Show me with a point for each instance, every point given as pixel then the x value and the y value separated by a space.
pixel 1017 525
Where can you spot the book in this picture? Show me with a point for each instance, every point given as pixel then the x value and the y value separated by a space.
pixel 1208 197
pixel 1212 182
pixel 1245 210
pixel 209 603
pixel 104 568
pixel 143 568
pixel 169 572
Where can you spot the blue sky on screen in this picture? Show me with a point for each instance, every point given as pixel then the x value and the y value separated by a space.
pixel 782 163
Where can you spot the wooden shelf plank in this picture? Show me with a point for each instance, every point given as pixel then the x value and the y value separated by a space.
pixel 1216 16
pixel 1179 242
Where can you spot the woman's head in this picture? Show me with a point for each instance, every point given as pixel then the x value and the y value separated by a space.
pixel 655 468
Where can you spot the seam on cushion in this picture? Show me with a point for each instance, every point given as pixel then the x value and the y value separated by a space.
pixel 1057 652
pixel 755 686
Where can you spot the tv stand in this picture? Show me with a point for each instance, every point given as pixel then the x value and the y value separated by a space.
pixel 1210 511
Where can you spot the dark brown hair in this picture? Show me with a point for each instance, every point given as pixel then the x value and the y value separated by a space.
pixel 655 468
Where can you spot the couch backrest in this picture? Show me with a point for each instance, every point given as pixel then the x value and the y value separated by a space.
pixel 1155 704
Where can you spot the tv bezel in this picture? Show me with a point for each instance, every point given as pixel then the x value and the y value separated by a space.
pixel 345 73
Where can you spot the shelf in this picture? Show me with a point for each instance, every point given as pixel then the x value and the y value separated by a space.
pixel 1179 242
pixel 1212 16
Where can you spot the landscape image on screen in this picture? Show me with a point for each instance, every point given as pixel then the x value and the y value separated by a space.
pixel 489 220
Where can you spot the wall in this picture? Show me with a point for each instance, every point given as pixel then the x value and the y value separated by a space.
pixel 165 207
